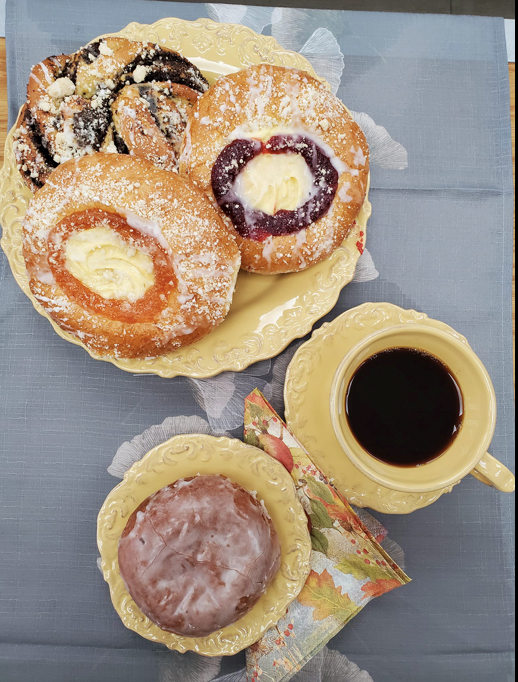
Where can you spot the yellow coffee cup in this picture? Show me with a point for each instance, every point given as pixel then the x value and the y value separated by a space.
pixel 467 453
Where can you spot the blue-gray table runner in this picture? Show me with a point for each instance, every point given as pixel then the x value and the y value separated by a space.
pixel 440 237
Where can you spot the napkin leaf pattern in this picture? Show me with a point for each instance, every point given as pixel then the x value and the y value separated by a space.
pixel 321 594
pixel 326 665
pixel 348 567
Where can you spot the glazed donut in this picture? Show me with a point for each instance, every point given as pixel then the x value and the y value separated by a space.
pixel 197 555
pixel 68 112
pixel 131 259
pixel 284 161
pixel 151 118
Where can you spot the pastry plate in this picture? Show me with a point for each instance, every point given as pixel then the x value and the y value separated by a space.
pixel 307 398
pixel 267 312
pixel 188 455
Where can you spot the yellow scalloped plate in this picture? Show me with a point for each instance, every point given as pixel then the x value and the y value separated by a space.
pixel 189 455
pixel 307 392
pixel 267 313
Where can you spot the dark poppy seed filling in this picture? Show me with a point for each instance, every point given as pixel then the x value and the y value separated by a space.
pixel 255 224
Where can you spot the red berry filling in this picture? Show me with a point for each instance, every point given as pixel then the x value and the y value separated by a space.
pixel 255 224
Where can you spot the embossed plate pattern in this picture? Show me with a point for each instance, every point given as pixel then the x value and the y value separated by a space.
pixel 267 313
pixel 188 455
pixel 306 394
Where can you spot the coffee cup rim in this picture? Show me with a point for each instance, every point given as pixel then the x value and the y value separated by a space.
pixel 336 393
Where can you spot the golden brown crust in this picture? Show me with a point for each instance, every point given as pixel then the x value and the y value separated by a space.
pixel 287 101
pixel 151 120
pixel 69 98
pixel 113 60
pixel 203 255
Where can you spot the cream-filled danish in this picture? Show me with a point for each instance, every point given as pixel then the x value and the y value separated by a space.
pixel 109 266
pixel 284 161
pixel 130 258
pixel 272 183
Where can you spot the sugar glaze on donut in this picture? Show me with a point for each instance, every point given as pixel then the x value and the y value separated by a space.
pixel 130 258
pixel 268 110
pixel 197 555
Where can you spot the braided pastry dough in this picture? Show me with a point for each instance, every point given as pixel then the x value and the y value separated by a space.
pixel 72 101
pixel 131 259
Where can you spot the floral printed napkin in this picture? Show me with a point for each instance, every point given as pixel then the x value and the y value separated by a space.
pixel 348 566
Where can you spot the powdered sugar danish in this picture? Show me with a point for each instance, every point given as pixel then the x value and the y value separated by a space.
pixel 284 161
pixel 130 258
pixel 197 555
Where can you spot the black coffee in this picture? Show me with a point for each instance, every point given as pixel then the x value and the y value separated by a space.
pixel 404 407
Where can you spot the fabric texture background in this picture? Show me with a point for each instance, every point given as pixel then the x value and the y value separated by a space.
pixel 441 238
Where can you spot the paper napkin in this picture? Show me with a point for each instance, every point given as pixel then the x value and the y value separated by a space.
pixel 348 567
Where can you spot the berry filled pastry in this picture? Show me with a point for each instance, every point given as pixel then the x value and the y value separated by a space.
pixel 283 160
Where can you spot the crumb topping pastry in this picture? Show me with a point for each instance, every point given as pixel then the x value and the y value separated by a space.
pixel 239 146
pixel 130 258
pixel 72 101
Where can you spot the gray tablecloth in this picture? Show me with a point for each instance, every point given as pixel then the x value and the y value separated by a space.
pixel 441 238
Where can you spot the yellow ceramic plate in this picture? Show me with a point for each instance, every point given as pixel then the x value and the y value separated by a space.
pixel 189 455
pixel 267 312
pixel 307 397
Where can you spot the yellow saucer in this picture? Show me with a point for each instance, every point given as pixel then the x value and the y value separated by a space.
pixel 307 391
pixel 188 455
pixel 267 312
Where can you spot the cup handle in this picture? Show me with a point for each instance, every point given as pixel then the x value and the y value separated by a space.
pixel 492 472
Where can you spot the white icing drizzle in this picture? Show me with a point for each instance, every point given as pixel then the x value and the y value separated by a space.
pixel 34 77
pixel 342 193
pixel 300 240
pixel 45 276
pixel 359 156
pixel 48 75
pixel 148 227
pixel 199 548
pixel 253 130
pixel 269 249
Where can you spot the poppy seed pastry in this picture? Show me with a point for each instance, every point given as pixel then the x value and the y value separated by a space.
pixel 74 107
pixel 150 119
pixel 197 555
pixel 283 160
pixel 130 258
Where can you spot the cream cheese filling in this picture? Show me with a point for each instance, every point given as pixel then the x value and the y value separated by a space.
pixel 108 265
pixel 275 182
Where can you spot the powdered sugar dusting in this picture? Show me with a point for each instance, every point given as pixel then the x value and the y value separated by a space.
pixel 160 205
pixel 149 227
pixel 264 101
